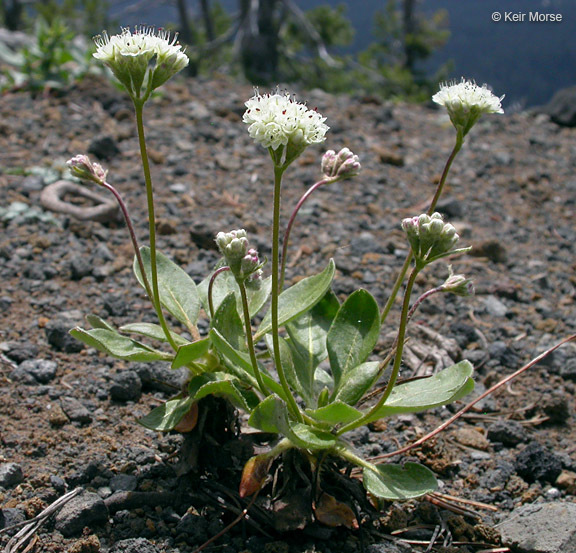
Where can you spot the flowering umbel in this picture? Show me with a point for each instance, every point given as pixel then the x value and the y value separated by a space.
pixel 276 121
pixel 466 102
pixel 143 57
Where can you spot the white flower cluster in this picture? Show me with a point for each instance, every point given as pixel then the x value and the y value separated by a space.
pixel 466 102
pixel 130 53
pixel 277 120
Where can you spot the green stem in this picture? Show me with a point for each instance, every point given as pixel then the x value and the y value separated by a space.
pixel 433 203
pixel 451 157
pixel 292 405
pixel 397 358
pixel 138 107
pixel 249 338
pixel 356 460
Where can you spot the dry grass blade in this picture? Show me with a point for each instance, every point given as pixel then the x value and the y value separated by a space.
pixel 29 527
pixel 464 501
pixel 469 406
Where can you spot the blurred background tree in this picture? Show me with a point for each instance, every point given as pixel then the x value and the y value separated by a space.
pixel 267 42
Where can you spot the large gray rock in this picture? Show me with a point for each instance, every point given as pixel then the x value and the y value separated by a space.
pixel 10 475
pixel 542 528
pixel 134 545
pixel 562 107
pixel 86 509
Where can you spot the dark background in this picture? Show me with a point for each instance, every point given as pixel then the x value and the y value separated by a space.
pixel 526 61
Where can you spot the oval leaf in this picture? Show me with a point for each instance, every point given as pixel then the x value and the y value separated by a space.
pixel 353 333
pixel 335 413
pixel 356 382
pixel 308 336
pixel 190 352
pixel 311 438
pixel 177 290
pixel 399 482
pixel 444 387
pixel 167 416
pixel 228 323
pixel 270 416
pixel 295 371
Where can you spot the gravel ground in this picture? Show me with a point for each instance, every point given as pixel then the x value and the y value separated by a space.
pixel 67 413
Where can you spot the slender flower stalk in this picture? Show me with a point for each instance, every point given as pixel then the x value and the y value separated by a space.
pixel 335 167
pixel 278 172
pixel 433 203
pixel 133 238
pixel 138 107
pixel 211 288
pixel 290 224
pixel 397 359
pixel 249 337
pixel 81 167
pixel 465 103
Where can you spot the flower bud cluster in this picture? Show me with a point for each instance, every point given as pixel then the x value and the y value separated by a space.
pixel 341 165
pixel 242 260
pixel 80 166
pixel 429 237
pixel 457 284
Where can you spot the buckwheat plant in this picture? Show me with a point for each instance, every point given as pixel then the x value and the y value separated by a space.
pixel 316 380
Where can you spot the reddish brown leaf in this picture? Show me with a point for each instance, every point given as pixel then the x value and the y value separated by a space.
pixel 188 421
pixel 254 474
pixel 331 512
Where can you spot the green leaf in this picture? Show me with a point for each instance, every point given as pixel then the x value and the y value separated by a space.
pixel 177 290
pixel 444 387
pixel 226 283
pixel 97 322
pixel 240 363
pixel 311 438
pixel 117 345
pixel 296 373
pixel 335 413
pixel 299 298
pixel 153 331
pixel 211 385
pixel 322 380
pixel 308 338
pixel 353 333
pixel 167 416
pixel 356 382
pixel 228 323
pixel 271 415
pixel 399 482
pixel 190 352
